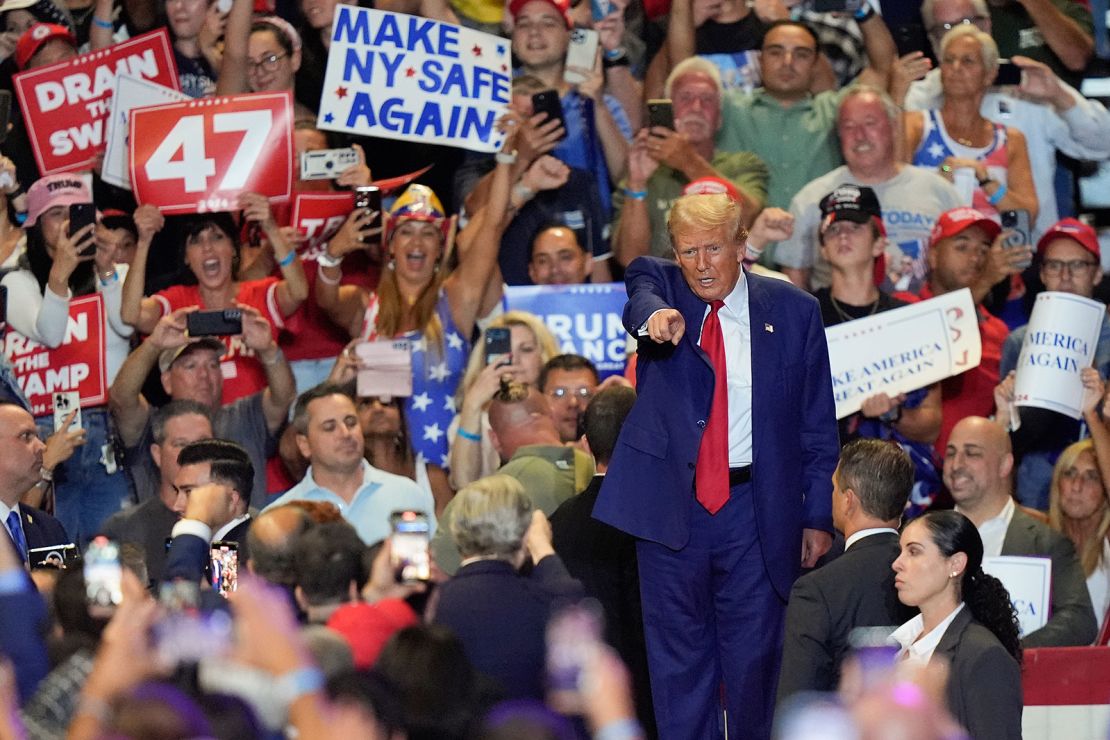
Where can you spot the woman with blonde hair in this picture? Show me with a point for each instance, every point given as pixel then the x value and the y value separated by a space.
pixel 531 346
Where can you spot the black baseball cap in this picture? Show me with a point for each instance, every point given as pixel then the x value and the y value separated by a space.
pixel 856 203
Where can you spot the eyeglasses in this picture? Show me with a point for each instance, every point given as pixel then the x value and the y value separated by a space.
pixel 1075 267
pixel 268 62
pixel 942 28
pixel 1089 476
pixel 582 394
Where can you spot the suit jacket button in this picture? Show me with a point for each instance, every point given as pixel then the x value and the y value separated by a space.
pixel 701 423
pixel 690 465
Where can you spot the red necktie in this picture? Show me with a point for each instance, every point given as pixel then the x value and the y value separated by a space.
pixel 711 474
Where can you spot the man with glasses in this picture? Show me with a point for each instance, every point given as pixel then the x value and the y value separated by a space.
pixel 569 382
pixel 1051 114
pixel 1070 263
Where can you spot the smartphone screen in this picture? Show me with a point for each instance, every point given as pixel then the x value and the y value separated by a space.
pixel 409 546
pixel 498 342
pixel 1016 224
pixel 661 113
pixel 369 197
pixel 103 575
pixel 573 639
pixel 1008 73
pixel 224 567
pixel 80 216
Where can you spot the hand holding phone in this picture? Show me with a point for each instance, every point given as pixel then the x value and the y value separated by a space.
pixel 82 215
pixel 225 323
pixel 408 546
pixel 661 113
pixel 498 343
pixel 548 103
pixel 103 576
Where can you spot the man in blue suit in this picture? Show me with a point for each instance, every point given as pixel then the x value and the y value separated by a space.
pixel 719 551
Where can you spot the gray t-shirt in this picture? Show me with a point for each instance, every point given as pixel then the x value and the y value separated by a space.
pixel 910 201
pixel 241 421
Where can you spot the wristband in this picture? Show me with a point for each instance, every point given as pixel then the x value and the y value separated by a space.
pixel 998 195
pixel 635 194
pixel 288 259
pixel 506 157
pixel 326 260
pixel 278 357
pixel 614 54
pixel 469 435
pixel 864 13
pixel 323 278
pixel 108 278
pixel 621 729
pixel 101 23
pixel 296 683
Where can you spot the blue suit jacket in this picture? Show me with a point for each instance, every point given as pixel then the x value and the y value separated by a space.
pixel 649 481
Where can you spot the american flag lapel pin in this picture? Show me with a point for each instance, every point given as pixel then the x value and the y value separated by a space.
pixel 769 328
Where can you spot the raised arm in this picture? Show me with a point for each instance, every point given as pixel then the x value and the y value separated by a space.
pixel 136 310
pixel 632 226
pixel 281 388
pixel 881 51
pixel 233 65
pixel 344 304
pixel 1068 40
pixel 292 290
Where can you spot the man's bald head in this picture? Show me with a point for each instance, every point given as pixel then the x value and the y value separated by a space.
pixel 270 541
pixel 520 415
pixel 978 460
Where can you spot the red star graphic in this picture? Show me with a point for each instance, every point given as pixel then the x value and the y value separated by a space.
pixel 410 72
pixel 477 50
pixel 340 92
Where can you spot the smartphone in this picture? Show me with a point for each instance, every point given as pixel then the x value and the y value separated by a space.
pixel 54 556
pixel 581 53
pixel 498 342
pixel 573 639
pixel 833 6
pixel 408 546
pixel 548 102
pixel 225 323
pixel 1020 234
pixel 661 113
pixel 103 576
pixel 369 197
pixel 223 559
pixel 1008 73
pixel 64 403
pixel 80 216
pixel 599 9
pixel 5 113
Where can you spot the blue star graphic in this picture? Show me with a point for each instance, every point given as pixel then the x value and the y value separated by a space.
pixel 328 118
pixel 501 49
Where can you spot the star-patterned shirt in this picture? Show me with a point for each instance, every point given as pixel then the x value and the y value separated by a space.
pixel 436 373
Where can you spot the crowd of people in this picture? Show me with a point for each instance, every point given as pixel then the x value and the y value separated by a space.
pixel 333 484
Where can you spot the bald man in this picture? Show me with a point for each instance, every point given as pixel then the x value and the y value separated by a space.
pixel 525 436
pixel 977 466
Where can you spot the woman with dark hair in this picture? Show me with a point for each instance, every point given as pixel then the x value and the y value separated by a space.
pixel 212 259
pixel 60 269
pixel 966 617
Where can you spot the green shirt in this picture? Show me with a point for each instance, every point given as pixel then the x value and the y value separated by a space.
pixel 743 169
pixel 798 143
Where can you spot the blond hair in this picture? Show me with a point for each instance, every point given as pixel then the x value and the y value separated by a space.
pixel 988 49
pixel 1089 551
pixel 706 212
pixel 544 338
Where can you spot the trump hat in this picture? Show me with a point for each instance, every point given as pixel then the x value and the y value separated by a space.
pixel 855 203
pixel 35 37
pixel 1077 231
pixel 417 203
pixel 957 220
pixel 55 190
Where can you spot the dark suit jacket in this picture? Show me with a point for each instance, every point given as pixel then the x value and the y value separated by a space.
pixel 501 617
pixel 147 526
pixel 649 481
pixel 23 627
pixel 604 560
pixel 1072 621
pixel 855 590
pixel 41 529
pixel 188 555
pixel 984 683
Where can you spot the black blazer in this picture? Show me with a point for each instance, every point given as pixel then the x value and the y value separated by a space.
pixel 41 529
pixel 854 590
pixel 984 682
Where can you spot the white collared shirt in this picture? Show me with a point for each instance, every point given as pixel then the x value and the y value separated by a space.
pixel 916 647
pixel 993 531
pixel 857 536
pixel 5 510
pixel 736 328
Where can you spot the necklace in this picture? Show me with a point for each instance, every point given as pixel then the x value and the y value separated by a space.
pixel 844 314
pixel 959 139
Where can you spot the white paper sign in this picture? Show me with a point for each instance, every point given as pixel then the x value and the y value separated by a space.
pixel 131 92
pixel 384 368
pixel 1059 342
pixel 1029 581
pixel 903 350
pixel 405 77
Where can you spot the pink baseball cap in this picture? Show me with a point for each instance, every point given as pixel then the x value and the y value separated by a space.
pixel 953 222
pixel 55 190
pixel 1074 229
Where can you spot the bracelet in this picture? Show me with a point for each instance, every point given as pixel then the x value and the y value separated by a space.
pixel 635 194
pixel 469 435
pixel 326 280
pixel 522 191
pixel 109 277
pixel 101 23
pixel 288 259
pixel 296 683
pixel 278 357
pixel 614 54
pixel 864 13
pixel 621 729
pixel 998 195
pixel 506 157
pixel 326 260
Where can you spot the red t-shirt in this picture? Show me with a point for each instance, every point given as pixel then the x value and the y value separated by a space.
pixel 970 393
pixel 242 372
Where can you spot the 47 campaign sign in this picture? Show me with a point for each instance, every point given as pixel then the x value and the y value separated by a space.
pixel 66 105
pixel 405 77
pixel 199 156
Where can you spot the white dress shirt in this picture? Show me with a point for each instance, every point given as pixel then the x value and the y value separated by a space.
pixel 736 328
pixel 993 531
pixel 857 536
pixel 916 647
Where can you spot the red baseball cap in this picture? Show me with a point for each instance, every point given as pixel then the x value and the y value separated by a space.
pixel 957 220
pixel 563 6
pixel 711 186
pixel 1074 229
pixel 34 37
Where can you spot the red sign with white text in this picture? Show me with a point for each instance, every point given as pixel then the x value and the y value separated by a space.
pixel 77 364
pixel 318 216
pixel 66 105
pixel 199 156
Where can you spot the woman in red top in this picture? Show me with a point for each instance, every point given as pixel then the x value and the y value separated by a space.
pixel 212 256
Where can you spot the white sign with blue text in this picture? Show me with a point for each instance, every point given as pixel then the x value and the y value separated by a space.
pixel 400 76
pixel 1029 583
